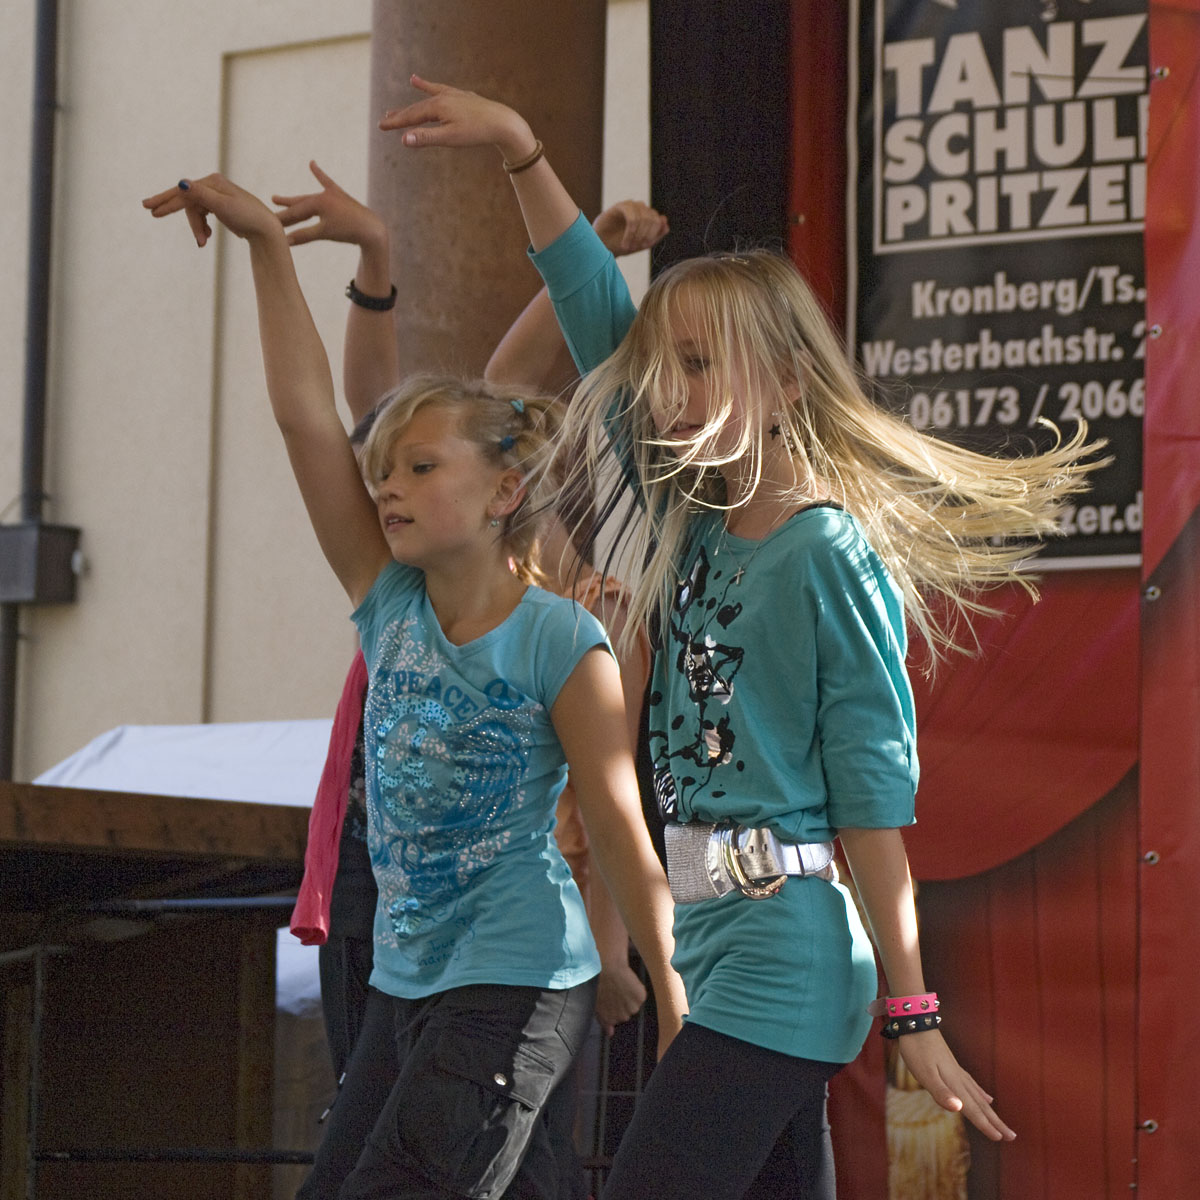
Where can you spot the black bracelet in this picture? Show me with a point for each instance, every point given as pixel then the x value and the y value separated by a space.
pixel 374 303
pixel 897 1027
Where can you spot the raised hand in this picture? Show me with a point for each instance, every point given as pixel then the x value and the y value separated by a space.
pixel 240 212
pixel 936 1069
pixel 370 363
pixel 630 226
pixel 339 217
pixel 449 116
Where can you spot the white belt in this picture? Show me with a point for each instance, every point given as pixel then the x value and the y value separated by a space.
pixel 706 861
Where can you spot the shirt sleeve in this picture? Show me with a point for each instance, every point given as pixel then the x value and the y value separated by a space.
pixel 588 291
pixel 393 585
pixel 568 633
pixel 865 714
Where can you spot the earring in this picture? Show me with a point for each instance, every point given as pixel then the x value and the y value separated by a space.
pixel 495 522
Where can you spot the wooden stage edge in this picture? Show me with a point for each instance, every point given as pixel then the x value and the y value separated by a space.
pixel 38 817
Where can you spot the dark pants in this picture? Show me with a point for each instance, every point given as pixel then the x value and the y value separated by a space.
pixel 722 1119
pixel 344 964
pixel 466 1075
pixel 370 1072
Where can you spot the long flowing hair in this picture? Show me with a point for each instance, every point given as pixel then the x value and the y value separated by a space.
pixel 948 522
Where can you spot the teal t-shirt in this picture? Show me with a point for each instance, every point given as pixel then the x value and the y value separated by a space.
pixel 463 772
pixel 779 696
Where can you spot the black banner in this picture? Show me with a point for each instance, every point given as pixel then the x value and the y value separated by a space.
pixel 997 218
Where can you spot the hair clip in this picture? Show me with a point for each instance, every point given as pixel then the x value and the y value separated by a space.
pixel 518 404
pixel 507 442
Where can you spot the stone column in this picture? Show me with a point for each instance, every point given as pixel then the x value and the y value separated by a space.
pixel 457 236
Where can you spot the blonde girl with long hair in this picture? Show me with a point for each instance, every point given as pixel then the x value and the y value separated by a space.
pixel 791 530
pixel 483 688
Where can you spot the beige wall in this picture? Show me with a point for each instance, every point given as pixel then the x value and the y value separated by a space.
pixel 205 597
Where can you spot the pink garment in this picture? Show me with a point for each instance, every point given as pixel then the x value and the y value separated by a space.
pixel 310 917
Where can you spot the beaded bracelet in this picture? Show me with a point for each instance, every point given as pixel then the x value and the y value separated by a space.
pixel 921 1023
pixel 374 303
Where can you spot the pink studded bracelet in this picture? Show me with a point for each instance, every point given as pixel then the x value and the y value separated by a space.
pixel 903 1006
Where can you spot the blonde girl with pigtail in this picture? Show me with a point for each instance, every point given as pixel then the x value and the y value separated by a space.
pixel 792 531
pixel 483 688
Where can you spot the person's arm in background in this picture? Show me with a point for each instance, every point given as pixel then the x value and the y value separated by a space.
pixel 370 360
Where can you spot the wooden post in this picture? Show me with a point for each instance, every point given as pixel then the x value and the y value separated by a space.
pixel 457 235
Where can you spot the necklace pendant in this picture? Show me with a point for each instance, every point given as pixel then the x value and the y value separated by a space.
pixel 737 576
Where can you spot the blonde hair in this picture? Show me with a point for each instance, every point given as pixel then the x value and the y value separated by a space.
pixel 510 425
pixel 948 522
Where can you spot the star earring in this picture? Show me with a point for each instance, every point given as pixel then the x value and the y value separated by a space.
pixel 778 429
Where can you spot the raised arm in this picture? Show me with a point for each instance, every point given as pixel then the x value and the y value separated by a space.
pixel 533 351
pixel 298 379
pixel 589 718
pixel 371 359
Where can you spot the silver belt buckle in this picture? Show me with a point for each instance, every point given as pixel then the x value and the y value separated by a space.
pixel 706 862
pixel 749 859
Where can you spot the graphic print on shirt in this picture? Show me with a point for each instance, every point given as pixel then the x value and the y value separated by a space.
pixel 701 615
pixel 447 771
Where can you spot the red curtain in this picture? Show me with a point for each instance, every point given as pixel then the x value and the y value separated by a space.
pixel 1035 962
pixel 1022 738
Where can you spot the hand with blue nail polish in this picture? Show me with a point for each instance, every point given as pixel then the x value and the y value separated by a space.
pixel 240 212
